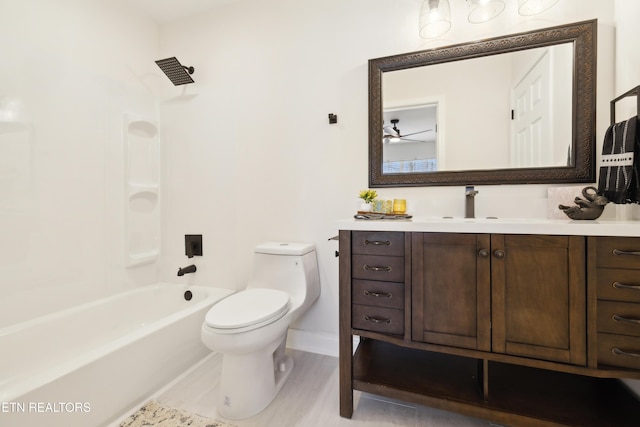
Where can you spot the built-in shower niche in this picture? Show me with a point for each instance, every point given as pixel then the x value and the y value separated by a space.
pixel 142 189
pixel 143 154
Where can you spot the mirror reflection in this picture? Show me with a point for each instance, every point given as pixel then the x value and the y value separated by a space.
pixel 516 106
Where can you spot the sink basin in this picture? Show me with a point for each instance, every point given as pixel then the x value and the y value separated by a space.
pixel 469 219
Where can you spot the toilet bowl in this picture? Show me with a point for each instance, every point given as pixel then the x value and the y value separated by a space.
pixel 249 328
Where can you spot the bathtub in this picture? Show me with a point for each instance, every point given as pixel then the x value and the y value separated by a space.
pixel 87 365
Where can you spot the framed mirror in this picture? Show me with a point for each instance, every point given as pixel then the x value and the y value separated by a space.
pixel 517 109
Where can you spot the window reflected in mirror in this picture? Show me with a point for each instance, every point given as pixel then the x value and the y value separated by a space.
pixel 410 139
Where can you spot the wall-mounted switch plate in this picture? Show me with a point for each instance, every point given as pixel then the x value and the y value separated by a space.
pixel 193 245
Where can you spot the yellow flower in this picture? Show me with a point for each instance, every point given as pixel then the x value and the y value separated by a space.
pixel 368 195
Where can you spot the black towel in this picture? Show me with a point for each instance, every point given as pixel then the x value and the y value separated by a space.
pixel 619 172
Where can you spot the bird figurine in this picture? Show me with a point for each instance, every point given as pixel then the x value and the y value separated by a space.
pixel 590 207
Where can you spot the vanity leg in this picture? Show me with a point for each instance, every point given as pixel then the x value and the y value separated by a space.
pixel 483 378
pixel 346 382
pixel 346 339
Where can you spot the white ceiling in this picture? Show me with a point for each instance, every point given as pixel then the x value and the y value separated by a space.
pixel 163 11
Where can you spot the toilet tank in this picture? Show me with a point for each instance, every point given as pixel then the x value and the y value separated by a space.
pixel 285 248
pixel 287 266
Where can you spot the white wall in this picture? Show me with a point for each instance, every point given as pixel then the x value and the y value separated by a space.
pixel 627 59
pixel 69 70
pixel 249 153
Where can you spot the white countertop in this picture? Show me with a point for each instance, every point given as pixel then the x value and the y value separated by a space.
pixel 502 226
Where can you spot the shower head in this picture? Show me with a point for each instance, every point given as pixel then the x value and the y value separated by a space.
pixel 177 73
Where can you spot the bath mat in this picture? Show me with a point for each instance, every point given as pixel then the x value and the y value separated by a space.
pixel 154 413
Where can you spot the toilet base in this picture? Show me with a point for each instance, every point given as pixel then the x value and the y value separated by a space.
pixel 249 382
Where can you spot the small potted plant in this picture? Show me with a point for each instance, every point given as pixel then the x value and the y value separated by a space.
pixel 368 196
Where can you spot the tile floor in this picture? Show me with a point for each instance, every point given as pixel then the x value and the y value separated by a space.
pixel 308 399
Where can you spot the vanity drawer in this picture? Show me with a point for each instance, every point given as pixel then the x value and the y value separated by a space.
pixel 618 252
pixel 377 243
pixel 619 350
pixel 373 267
pixel 377 319
pixel 379 294
pixel 618 284
pixel 619 318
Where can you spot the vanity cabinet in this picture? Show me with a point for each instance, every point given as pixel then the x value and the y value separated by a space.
pixel 520 329
pixel 378 272
pixel 617 277
pixel 514 294
pixel 538 293
pixel 451 300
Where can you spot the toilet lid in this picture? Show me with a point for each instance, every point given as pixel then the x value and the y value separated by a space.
pixel 247 308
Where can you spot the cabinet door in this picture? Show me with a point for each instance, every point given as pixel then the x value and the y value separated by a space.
pixel 539 297
pixel 451 289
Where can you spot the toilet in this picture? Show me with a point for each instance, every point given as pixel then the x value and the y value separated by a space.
pixel 249 328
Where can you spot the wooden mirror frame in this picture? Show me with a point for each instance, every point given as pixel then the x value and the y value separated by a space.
pixel 583 35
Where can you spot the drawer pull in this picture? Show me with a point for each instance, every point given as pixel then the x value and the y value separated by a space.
pixel 377 242
pixel 376 268
pixel 619 285
pixel 376 319
pixel 620 252
pixel 378 294
pixel 617 351
pixel 618 318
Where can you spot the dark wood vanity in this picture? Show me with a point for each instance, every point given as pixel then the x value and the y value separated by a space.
pixel 519 329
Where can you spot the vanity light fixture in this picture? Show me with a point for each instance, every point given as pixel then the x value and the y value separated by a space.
pixel 435 18
pixel 435 15
pixel 481 11
pixel 533 7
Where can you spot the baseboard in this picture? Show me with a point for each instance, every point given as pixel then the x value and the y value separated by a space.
pixel 313 342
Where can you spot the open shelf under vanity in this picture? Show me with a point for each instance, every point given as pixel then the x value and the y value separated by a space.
pixel 528 394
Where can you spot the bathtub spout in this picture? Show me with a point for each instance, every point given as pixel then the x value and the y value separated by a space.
pixel 186 270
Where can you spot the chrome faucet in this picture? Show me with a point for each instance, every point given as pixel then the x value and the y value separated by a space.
pixel 186 270
pixel 469 204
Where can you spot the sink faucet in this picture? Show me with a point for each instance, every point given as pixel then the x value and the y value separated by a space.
pixel 469 205
pixel 186 270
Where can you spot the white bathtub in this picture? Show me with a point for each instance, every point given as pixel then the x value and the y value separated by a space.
pixel 89 364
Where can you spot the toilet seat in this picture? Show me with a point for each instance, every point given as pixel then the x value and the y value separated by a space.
pixel 248 309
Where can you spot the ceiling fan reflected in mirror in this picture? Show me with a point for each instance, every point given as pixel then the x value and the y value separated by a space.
pixel 392 134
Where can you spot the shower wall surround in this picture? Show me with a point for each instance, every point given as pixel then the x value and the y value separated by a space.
pixel 69 72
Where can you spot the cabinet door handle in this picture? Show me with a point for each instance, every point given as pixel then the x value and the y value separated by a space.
pixel 377 242
pixel 483 253
pixel 617 351
pixel 619 285
pixel 621 252
pixel 378 294
pixel 376 319
pixel 499 253
pixel 376 268
pixel 618 318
